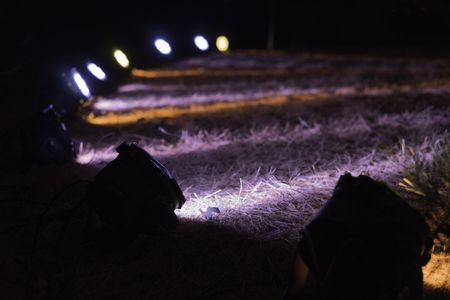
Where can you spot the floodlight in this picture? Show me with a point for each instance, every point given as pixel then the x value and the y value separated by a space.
pixel 163 46
pixel 121 58
pixel 201 43
pixel 96 71
pixel 46 140
pixel 81 83
pixel 132 194
pixel 222 43
pixel 365 238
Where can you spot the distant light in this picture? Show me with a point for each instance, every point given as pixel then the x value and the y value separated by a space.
pixel 81 84
pixel 121 58
pixel 222 43
pixel 201 43
pixel 96 71
pixel 163 46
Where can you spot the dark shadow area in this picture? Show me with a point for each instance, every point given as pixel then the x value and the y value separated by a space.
pixel 199 260
pixel 433 293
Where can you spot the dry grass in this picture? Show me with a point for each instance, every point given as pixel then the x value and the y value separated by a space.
pixel 437 277
pixel 267 169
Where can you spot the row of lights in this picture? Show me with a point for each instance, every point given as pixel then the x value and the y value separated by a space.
pixel 222 44
pixel 162 45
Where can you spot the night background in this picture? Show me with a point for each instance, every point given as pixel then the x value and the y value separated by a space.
pixel 44 35
pixel 258 119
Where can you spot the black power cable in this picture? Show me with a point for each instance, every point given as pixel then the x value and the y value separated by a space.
pixel 67 221
pixel 50 204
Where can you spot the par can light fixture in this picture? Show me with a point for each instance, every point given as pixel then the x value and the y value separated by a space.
pixel 80 83
pixel 132 194
pixel 222 43
pixel 201 43
pixel 45 140
pixel 121 58
pixel 96 71
pixel 365 238
pixel 163 46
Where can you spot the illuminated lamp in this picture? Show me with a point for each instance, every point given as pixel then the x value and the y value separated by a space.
pixel 132 194
pixel 80 83
pixel 366 240
pixel 102 75
pixel 96 71
pixel 46 140
pixel 121 58
pixel 222 43
pixel 79 92
pixel 201 43
pixel 162 46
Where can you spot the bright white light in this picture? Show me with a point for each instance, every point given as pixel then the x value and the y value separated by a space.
pixel 163 46
pixel 96 71
pixel 81 84
pixel 201 43
pixel 222 43
pixel 121 58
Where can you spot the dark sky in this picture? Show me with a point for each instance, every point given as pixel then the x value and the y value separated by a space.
pixel 295 21
pixel 61 28
pixel 46 36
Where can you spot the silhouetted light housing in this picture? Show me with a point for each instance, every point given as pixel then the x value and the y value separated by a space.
pixel 121 58
pixel 132 194
pixel 163 46
pixel 81 84
pixel 45 140
pixel 222 43
pixel 201 43
pixel 96 71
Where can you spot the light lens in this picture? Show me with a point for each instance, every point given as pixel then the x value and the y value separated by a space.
pixel 163 46
pixel 222 43
pixel 96 71
pixel 81 84
pixel 121 58
pixel 201 43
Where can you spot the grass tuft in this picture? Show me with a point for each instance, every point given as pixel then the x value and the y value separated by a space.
pixel 428 183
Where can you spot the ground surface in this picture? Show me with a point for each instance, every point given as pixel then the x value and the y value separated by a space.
pixel 262 137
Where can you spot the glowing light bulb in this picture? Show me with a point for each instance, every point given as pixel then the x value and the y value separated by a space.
pixel 121 58
pixel 81 84
pixel 163 46
pixel 222 43
pixel 96 71
pixel 201 43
